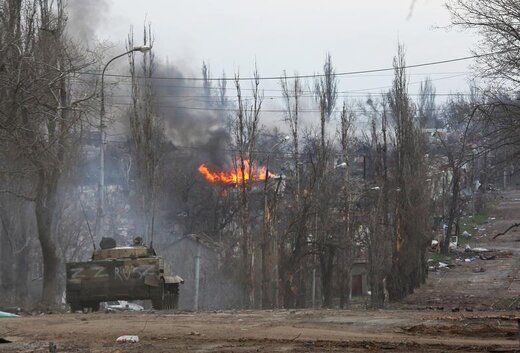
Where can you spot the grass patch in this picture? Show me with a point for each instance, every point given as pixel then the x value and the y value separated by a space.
pixel 480 218
pixel 440 258
pixel 469 223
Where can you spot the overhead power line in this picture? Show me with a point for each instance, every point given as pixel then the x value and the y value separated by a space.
pixel 204 98
pixel 347 73
pixel 304 91
pixel 214 88
pixel 167 106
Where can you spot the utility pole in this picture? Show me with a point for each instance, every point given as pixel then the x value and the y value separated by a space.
pixel 314 262
pixel 197 277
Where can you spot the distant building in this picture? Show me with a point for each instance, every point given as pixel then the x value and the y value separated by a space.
pixel 216 290
pixel 359 278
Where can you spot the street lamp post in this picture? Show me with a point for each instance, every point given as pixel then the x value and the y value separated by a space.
pixel 101 189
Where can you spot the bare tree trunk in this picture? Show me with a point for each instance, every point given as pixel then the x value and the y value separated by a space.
pixel 245 133
pixel 6 260
pixel 347 251
pixel 44 209
pixel 327 270
pixel 378 224
pixel 326 92
pixel 292 93
pixel 452 210
pixel 22 261
pixel 410 207
pixel 41 115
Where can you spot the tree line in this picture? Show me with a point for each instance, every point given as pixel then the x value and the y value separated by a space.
pixel 354 181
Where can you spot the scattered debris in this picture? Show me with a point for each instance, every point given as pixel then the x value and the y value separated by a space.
pixel 436 265
pixel 11 309
pixel 5 314
pixel 468 248
pixel 309 344
pixel 466 234
pixel 122 305
pixel 52 347
pixel 454 242
pixel 480 250
pixel 484 257
pixel 479 269
pixel 127 339
pixel 194 333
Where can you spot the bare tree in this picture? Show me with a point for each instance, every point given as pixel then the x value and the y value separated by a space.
pixel 346 251
pixel 411 207
pixel 292 100
pixel 41 111
pixel 245 131
pixel 377 196
pixel 292 97
pixel 426 108
pixel 497 23
pixel 326 93
pixel 146 135
pixel 222 89
pixel 461 117
pixel 206 83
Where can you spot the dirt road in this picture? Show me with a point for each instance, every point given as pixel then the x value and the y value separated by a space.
pixel 480 284
pixel 264 331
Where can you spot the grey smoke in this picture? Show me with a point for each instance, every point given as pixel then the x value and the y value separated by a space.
pixel 204 131
pixel 85 17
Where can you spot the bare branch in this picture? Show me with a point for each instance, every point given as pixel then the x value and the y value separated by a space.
pixel 21 196
pixel 514 225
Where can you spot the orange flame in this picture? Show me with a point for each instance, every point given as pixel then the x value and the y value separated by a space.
pixel 235 175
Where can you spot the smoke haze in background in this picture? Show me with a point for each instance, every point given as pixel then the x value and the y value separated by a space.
pixel 85 17
pixel 204 132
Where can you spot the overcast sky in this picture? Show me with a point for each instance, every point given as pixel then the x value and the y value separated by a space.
pixel 295 35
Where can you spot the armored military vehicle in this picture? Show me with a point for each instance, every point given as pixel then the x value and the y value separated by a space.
pixel 121 273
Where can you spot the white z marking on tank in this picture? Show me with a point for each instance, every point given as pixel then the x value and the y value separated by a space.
pixel 75 272
pixel 100 272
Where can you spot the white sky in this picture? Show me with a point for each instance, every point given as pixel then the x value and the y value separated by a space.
pixel 294 35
